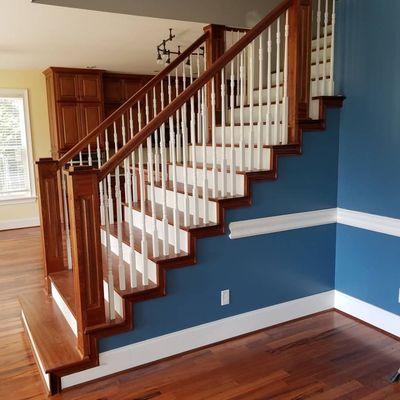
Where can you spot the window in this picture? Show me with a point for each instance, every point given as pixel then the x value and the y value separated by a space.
pixel 16 163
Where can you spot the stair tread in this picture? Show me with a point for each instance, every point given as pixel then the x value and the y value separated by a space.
pixel 51 334
pixel 209 166
pixel 138 242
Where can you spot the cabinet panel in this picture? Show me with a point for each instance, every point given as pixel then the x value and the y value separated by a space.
pixel 91 117
pixel 68 121
pixel 114 91
pixel 66 87
pixel 89 87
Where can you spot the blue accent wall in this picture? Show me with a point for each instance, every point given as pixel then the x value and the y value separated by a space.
pixel 368 65
pixel 263 270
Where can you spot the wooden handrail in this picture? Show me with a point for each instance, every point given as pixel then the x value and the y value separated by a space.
pixel 69 155
pixel 168 111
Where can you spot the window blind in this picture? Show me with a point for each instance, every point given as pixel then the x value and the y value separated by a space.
pixel 14 164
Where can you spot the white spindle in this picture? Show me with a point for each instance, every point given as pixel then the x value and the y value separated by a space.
pixel 150 176
pixel 194 157
pixel 213 142
pixel 121 267
pixel 241 140
pixel 232 123
pixel 156 141
pixel 204 148
pixel 285 99
pixel 238 61
pixel 277 136
pixel 317 55
pixel 260 85
pixel 90 161
pixel 110 275
pixel 268 139
pixel 251 105
pixel 325 59
pixel 80 158
pixel 199 130
pixel 184 155
pixel 333 22
pixel 110 198
pixel 223 127
pixel 101 193
pixel 133 161
pixel 178 130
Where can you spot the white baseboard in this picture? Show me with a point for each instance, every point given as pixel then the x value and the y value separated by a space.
pixel 202 335
pixel 368 313
pixel 280 223
pixel 19 223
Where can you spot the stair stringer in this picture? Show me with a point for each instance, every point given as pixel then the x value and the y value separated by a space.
pixel 164 264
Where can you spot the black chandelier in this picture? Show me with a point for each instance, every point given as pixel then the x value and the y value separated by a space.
pixel 164 54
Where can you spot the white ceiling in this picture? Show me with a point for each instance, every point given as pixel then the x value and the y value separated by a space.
pixel 36 36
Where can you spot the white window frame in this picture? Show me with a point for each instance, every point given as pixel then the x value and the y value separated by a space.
pixel 23 94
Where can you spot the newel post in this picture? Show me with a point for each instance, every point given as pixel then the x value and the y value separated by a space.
pixel 299 71
pixel 215 48
pixel 84 206
pixel 50 216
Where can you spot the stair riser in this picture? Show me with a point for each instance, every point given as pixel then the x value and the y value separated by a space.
pixel 152 268
pixel 239 178
pixel 265 156
pixel 137 222
pixel 264 93
pixel 212 206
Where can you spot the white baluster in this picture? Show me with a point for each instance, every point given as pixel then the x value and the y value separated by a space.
pixel 90 161
pixel 156 141
pixel 199 130
pixel 233 153
pixel 204 148
pixel 102 220
pixel 268 139
pixel 223 127
pixel 325 59
pixel 277 136
pixel 184 155
pixel 178 130
pixel 285 100
pixel 194 158
pixel 260 84
pixel 80 158
pixel 110 198
pixel 317 58
pixel 109 253
pixel 121 267
pixel 251 105
pixel 333 22
pixel 133 162
pixel 213 142
pixel 241 140
pixel 145 275
pixel 238 59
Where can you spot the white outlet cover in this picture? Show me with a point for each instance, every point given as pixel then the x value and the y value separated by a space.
pixel 225 297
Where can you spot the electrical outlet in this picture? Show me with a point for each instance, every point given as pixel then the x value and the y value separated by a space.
pixel 225 297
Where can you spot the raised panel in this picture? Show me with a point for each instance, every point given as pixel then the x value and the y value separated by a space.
pixel 90 87
pixel 113 90
pixel 68 117
pixel 91 116
pixel 66 87
pixel 132 86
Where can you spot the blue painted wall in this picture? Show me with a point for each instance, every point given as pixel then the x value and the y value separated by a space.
pixel 263 270
pixel 368 65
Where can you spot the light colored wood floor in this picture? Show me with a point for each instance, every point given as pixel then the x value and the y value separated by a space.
pixel 328 356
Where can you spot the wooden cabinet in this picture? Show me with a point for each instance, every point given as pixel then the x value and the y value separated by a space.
pixel 79 100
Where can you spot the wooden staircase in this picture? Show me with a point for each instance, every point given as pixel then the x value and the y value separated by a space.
pixel 119 228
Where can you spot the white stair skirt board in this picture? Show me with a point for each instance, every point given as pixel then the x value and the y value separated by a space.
pixel 212 205
pixel 199 172
pixel 126 255
pixel 137 222
pixel 280 223
pixel 265 156
pixel 368 313
pixel 19 223
pixel 69 317
pixel 202 335
pixel 46 377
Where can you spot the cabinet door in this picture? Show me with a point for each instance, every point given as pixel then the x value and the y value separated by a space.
pixel 113 90
pixel 66 85
pixel 90 87
pixel 91 116
pixel 69 125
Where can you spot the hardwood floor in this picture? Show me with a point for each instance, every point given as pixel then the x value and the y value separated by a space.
pixel 327 356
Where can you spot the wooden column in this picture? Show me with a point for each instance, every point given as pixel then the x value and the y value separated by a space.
pixel 50 216
pixel 84 206
pixel 299 58
pixel 215 48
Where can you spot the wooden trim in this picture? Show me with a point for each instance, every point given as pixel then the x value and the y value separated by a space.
pixel 50 216
pixel 299 63
pixel 84 205
pixel 133 100
pixel 204 79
